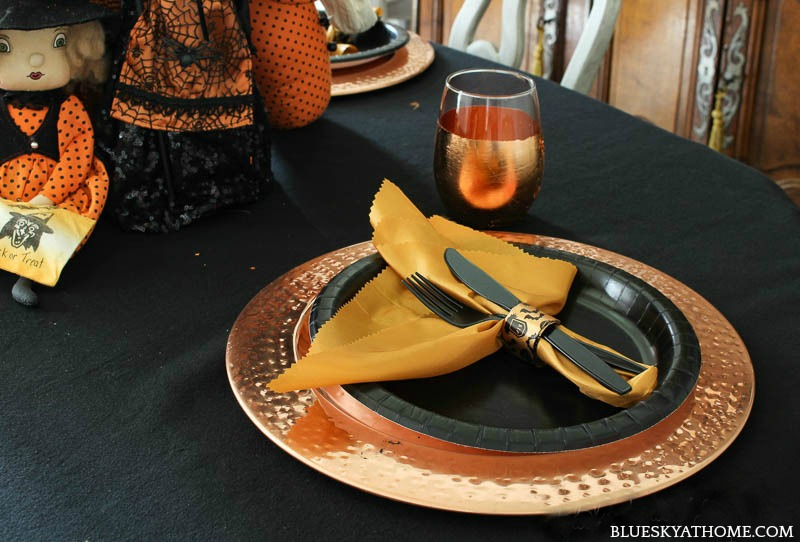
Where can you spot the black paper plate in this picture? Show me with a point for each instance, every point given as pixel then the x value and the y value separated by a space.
pixel 380 40
pixel 502 403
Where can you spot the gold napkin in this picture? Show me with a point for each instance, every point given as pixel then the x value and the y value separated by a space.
pixel 385 333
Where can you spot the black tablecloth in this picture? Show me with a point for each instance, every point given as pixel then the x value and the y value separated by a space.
pixel 116 417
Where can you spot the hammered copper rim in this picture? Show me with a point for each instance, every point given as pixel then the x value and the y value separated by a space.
pixel 340 437
pixel 405 63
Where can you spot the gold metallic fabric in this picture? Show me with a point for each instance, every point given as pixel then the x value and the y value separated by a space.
pixel 385 333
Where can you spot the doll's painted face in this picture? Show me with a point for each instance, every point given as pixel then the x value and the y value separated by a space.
pixel 34 59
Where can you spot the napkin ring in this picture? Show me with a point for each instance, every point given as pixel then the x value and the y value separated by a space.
pixel 522 328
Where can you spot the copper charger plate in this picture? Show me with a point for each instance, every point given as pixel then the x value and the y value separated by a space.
pixel 402 65
pixel 335 434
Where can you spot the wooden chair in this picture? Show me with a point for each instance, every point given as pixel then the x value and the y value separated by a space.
pixel 582 68
pixel 792 189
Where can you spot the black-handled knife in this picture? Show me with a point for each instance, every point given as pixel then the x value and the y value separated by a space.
pixel 484 285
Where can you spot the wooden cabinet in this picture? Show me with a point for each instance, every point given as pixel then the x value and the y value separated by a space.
pixel 769 127
pixel 669 60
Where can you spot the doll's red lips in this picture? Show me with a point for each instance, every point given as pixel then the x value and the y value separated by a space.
pixel 35 75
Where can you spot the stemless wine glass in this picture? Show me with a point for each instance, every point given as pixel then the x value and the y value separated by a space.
pixel 489 151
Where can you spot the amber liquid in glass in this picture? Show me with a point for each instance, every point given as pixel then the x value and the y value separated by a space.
pixel 488 164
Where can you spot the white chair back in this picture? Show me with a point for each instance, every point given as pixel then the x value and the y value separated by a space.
pixel 512 45
pixel 585 62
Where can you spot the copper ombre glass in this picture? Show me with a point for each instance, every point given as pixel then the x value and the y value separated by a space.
pixel 489 151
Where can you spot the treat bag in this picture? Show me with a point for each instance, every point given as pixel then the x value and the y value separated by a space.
pixel 186 132
pixel 37 242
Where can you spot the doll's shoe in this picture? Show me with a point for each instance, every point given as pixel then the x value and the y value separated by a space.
pixel 23 293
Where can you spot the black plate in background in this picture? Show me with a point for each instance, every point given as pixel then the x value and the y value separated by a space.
pixel 381 39
pixel 502 403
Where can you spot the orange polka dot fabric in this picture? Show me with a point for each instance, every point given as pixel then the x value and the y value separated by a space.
pixel 77 181
pixel 291 65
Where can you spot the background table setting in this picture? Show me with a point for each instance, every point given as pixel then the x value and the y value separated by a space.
pixel 136 400
pixel 377 71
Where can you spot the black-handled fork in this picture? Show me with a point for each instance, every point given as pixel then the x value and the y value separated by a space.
pixel 443 304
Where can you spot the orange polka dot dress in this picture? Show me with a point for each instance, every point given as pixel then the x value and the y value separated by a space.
pixel 76 181
pixel 291 65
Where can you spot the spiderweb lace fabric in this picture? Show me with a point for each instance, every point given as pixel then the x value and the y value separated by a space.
pixel 186 132
pixel 187 67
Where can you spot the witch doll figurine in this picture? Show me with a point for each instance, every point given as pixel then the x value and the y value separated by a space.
pixel 47 156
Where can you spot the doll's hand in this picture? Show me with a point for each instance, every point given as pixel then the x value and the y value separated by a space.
pixel 41 201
